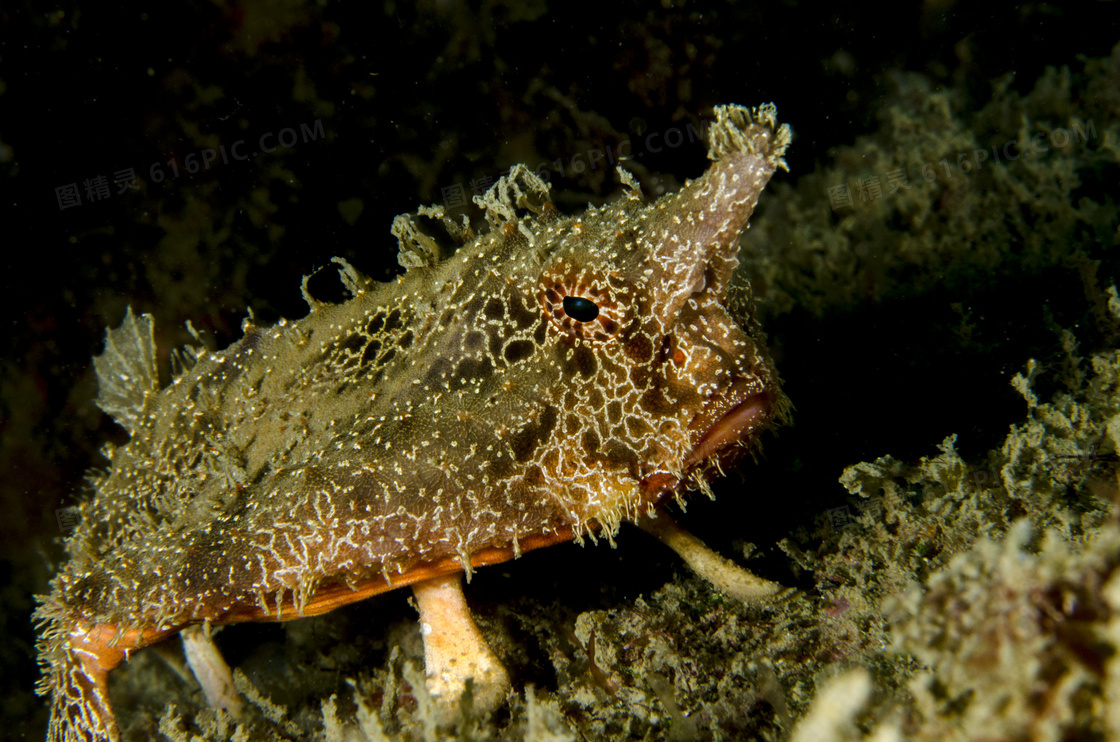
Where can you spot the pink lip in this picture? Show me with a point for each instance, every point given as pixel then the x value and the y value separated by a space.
pixel 734 426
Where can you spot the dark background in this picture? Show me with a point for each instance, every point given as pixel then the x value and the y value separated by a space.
pixel 416 99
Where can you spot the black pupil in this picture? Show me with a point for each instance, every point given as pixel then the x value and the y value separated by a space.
pixel 578 308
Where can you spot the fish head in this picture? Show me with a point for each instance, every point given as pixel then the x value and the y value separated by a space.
pixel 646 380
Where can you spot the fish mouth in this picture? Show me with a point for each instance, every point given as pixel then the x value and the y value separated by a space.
pixel 723 434
pixel 738 424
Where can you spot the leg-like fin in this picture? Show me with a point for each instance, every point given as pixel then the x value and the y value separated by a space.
pixel 211 670
pixel 723 574
pixel 75 679
pixel 454 648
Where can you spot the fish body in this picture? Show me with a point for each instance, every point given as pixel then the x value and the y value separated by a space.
pixel 550 379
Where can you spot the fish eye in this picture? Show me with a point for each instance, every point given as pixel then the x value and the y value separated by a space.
pixel 583 306
pixel 578 308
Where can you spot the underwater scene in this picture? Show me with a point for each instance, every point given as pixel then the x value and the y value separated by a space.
pixel 351 349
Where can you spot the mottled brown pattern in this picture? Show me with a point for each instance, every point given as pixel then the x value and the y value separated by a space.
pixel 453 417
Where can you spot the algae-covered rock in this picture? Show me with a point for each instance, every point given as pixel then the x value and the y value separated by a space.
pixel 947 193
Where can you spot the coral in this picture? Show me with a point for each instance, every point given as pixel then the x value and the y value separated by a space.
pixel 1011 638
pixel 991 579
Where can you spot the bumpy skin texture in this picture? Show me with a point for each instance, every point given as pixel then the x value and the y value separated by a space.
pixel 453 417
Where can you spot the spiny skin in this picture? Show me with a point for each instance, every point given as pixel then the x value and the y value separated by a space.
pixel 450 418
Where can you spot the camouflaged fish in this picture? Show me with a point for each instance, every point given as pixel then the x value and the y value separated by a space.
pixel 550 379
